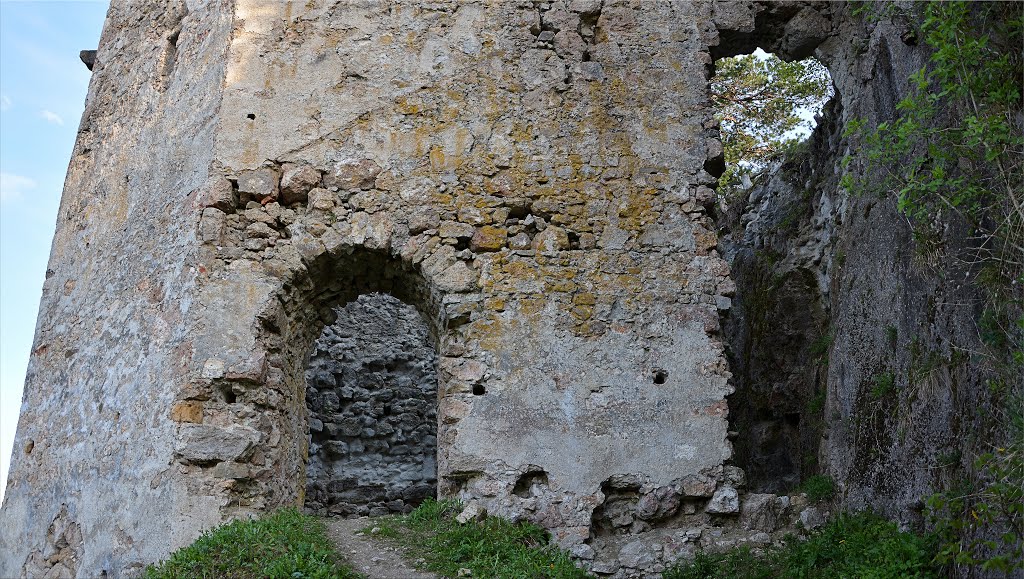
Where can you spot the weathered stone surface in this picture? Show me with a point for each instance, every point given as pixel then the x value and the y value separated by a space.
pixel 472 512
pixel 636 555
pixel 811 518
pixel 761 512
pixel 261 184
pixel 191 411
pixel 551 239
pixel 203 443
pixel 488 238
pixel 296 182
pixel 371 391
pixel 218 192
pixel 725 501
pixel 352 174
pixel 321 199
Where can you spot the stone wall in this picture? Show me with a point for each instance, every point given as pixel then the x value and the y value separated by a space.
pixel 530 176
pixel 371 391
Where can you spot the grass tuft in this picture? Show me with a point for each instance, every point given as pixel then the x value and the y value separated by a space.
pixel 863 545
pixel 819 488
pixel 284 543
pixel 493 547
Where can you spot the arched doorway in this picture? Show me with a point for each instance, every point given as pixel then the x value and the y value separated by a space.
pixel 371 394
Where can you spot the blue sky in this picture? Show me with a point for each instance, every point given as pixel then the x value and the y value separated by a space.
pixel 42 94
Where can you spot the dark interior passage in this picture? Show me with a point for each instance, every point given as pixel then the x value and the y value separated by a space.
pixel 371 393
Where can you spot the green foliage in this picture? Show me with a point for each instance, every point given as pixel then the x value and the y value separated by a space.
pixel 891 336
pixel 759 102
pixel 821 345
pixel 955 146
pixel 493 547
pixel 882 385
pixel 861 545
pixel 982 524
pixel 285 543
pixel 819 488
pixel 816 404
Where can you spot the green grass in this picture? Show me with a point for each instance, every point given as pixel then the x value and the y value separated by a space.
pixel 882 385
pixel 284 543
pixel 493 547
pixel 820 346
pixel 864 546
pixel 819 488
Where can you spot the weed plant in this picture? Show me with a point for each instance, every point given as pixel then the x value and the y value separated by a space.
pixel 284 543
pixel 863 545
pixel 493 547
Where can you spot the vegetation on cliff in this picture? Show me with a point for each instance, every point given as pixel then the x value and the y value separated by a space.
pixel 953 160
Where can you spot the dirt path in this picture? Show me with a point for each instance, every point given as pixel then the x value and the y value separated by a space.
pixel 372 557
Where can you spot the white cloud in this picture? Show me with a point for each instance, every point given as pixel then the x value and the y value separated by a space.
pixel 13 187
pixel 5 103
pixel 51 117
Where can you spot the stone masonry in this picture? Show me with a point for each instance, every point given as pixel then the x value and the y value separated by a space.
pixel 533 177
pixel 371 391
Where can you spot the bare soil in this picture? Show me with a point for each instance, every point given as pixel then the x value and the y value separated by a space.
pixel 365 554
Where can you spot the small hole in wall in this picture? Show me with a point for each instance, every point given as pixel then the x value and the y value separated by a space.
pixel 525 483
pixel 251 116
pixel 228 395
pixel 29 446
pixel 659 376
pixel 479 389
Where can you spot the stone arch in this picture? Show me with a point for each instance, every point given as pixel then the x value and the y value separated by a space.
pixel 243 420
pixel 308 306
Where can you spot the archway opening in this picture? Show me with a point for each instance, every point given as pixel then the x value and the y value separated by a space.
pixel 371 395
pixel 353 342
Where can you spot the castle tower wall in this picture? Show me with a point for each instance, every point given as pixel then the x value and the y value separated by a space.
pixel 531 177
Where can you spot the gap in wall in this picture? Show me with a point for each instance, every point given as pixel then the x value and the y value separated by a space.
pixel 371 394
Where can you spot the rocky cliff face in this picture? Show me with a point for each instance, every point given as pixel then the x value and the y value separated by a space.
pixel 855 352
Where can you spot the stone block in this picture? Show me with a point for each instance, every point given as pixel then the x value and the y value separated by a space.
pixel 203 443
pixel 351 174
pixel 760 512
pixel 260 184
pixel 551 239
pixel 488 238
pixel 296 182
pixel 218 192
pixel 725 501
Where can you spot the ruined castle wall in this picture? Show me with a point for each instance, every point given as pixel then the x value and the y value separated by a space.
pixel 536 179
pixel 530 177
pixel 93 485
